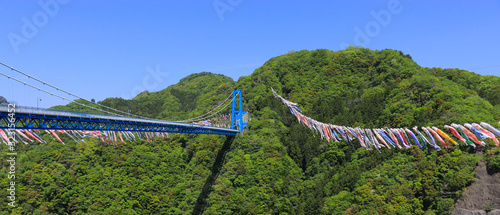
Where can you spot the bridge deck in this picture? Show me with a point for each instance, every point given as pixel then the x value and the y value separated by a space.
pixel 41 118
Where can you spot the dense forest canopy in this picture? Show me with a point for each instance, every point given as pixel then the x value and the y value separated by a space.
pixel 278 166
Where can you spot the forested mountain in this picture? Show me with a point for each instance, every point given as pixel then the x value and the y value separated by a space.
pixel 192 96
pixel 278 166
pixel 3 101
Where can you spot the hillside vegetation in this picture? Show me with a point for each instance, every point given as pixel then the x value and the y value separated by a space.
pixel 278 166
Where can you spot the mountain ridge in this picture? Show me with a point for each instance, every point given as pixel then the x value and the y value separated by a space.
pixel 278 166
pixel 386 84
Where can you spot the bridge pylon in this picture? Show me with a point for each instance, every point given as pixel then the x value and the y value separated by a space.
pixel 237 114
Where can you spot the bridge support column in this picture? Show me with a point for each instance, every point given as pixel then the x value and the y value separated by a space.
pixel 237 115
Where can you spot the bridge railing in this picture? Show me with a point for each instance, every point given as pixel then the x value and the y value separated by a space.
pixel 65 113
pixel 45 111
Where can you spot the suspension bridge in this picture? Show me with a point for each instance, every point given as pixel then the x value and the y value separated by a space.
pixel 110 119
pixel 24 123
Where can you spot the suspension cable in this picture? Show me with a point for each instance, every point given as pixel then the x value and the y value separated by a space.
pixel 196 118
pixel 64 91
pixel 201 117
pixel 22 82
pixel 104 111
pixel 215 112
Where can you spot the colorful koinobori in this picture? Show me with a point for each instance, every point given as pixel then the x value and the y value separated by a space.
pixel 106 137
pixel 469 134
pixel 224 121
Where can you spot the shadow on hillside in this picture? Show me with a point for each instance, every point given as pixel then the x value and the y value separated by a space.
pixel 201 203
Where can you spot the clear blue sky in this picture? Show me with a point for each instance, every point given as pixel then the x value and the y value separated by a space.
pixel 100 49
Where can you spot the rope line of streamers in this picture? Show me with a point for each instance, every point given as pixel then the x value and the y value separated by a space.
pixel 376 138
pixel 27 136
